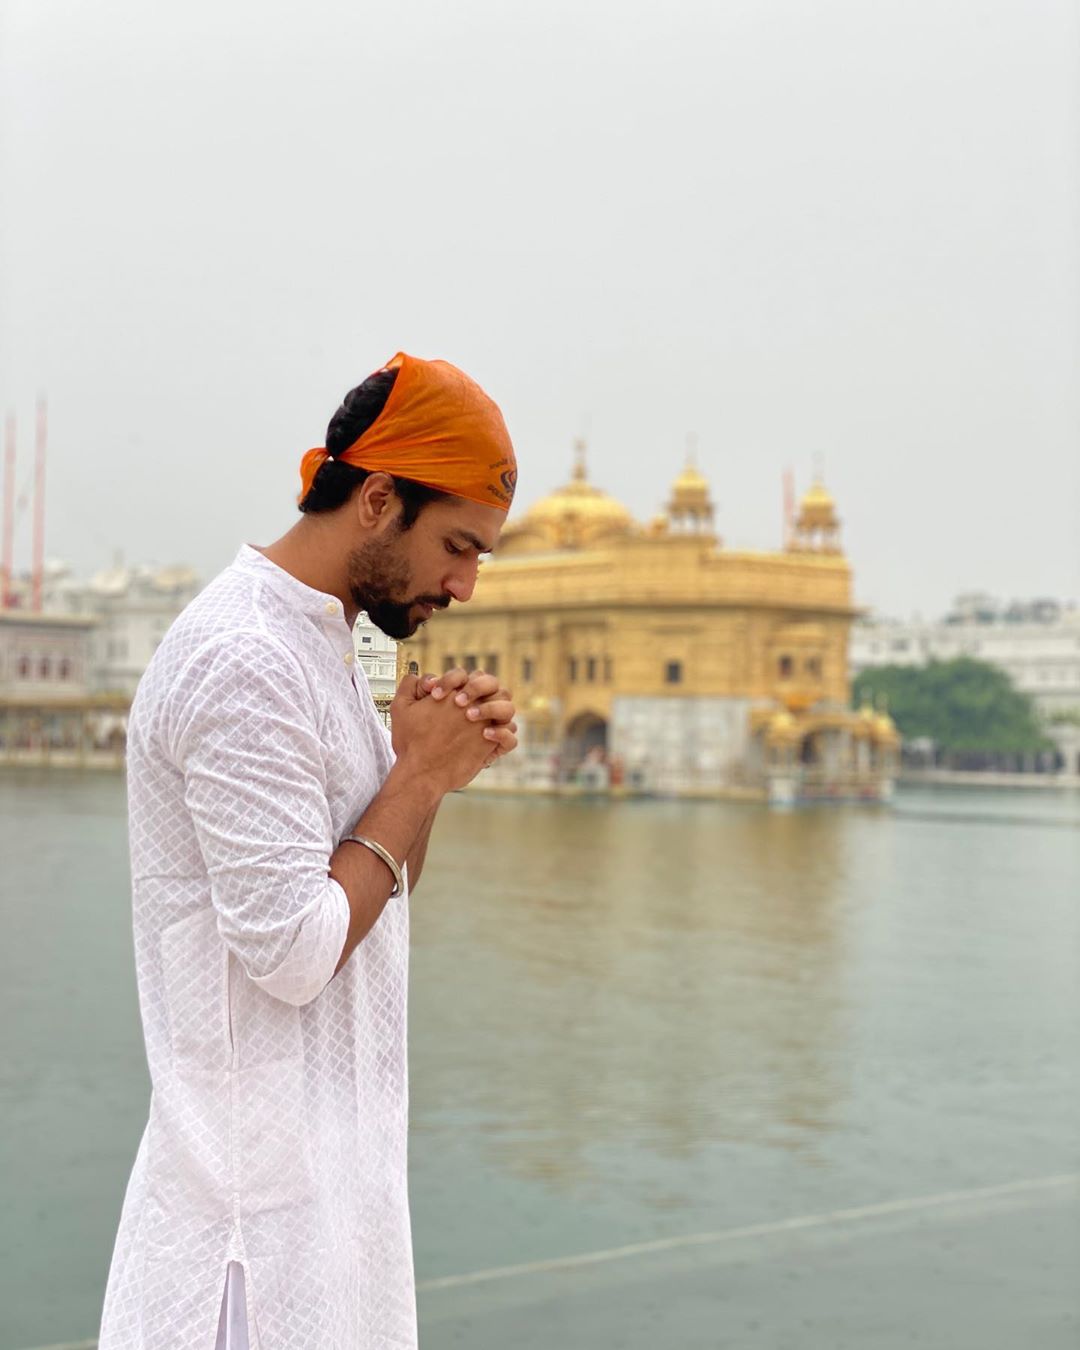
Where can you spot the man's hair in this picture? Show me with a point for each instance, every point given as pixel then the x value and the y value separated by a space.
pixel 335 482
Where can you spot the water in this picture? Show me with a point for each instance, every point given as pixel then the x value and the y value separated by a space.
pixel 631 1023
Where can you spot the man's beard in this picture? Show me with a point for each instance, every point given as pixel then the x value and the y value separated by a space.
pixel 376 575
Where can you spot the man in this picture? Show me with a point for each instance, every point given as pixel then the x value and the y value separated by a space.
pixel 276 829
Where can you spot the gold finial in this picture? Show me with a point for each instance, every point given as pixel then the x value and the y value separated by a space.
pixel 819 467
pixel 691 449
pixel 580 474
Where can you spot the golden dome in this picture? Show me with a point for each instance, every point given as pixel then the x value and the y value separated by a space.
pixel 817 510
pixel 783 727
pixel 577 515
pixel 579 498
pixel 862 727
pixel 582 501
pixel 690 509
pixel 690 483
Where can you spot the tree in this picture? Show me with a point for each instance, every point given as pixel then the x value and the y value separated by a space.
pixel 968 708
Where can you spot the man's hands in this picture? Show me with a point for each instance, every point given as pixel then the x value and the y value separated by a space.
pixel 484 701
pixel 454 725
pixel 445 730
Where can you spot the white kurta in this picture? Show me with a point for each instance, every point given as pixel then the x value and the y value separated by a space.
pixel 278 1117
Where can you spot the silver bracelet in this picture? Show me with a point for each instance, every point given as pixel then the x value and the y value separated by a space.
pixel 399 884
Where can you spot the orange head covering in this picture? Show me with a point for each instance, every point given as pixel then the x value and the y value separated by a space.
pixel 439 428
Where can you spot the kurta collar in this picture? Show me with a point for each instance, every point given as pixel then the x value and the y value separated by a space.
pixel 319 605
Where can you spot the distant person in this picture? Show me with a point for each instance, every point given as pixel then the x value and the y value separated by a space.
pixel 276 830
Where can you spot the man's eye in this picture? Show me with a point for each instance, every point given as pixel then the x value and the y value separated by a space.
pixel 451 549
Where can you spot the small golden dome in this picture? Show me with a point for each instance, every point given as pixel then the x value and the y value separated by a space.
pixel 690 508
pixel 783 727
pixel 690 483
pixel 817 510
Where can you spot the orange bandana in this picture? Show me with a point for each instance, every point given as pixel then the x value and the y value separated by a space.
pixel 438 428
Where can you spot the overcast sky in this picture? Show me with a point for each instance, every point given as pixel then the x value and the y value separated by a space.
pixel 843 227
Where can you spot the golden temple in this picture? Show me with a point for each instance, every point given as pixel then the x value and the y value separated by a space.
pixel 650 658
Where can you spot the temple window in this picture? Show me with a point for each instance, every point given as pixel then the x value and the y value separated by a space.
pixel 673 672
pixel 786 667
pixel 447 663
pixel 590 669
pixel 526 670
pixel 45 668
pixel 492 666
pixel 813 666
pixel 65 669
pixel 571 668
pixel 470 661
pixel 24 667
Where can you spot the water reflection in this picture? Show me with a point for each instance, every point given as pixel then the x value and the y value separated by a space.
pixel 674 977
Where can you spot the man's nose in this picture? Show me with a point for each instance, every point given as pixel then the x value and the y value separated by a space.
pixel 462 581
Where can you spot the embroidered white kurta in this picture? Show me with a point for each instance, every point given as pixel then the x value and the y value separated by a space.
pixel 278 1116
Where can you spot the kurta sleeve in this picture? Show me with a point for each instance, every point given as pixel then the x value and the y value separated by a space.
pixel 241 726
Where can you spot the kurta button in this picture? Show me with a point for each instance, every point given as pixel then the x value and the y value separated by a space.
pixel 348 658
pixel 331 608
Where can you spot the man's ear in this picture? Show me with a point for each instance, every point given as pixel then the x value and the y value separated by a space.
pixel 376 502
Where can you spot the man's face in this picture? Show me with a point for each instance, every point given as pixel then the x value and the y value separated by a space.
pixel 401 577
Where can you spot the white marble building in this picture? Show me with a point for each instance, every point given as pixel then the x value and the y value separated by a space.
pixel 48 712
pixel 79 661
pixel 130 609
pixel 680 744
pixel 44 656
pixel 1036 643
pixel 377 654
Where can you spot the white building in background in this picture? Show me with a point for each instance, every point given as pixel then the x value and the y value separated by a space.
pixel 68 672
pixel 48 713
pixel 1036 643
pixel 43 656
pixel 377 654
pixel 130 609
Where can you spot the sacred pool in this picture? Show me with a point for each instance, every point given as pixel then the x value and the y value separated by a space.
pixel 685 1074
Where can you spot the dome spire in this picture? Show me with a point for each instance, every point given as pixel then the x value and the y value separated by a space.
pixel 690 509
pixel 577 515
pixel 580 474
pixel 817 528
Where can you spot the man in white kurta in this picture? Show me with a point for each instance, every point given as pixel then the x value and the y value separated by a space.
pixel 276 1139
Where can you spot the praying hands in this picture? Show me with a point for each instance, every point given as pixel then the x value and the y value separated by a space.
pixel 480 698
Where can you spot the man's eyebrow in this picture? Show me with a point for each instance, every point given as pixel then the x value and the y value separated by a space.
pixel 477 544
